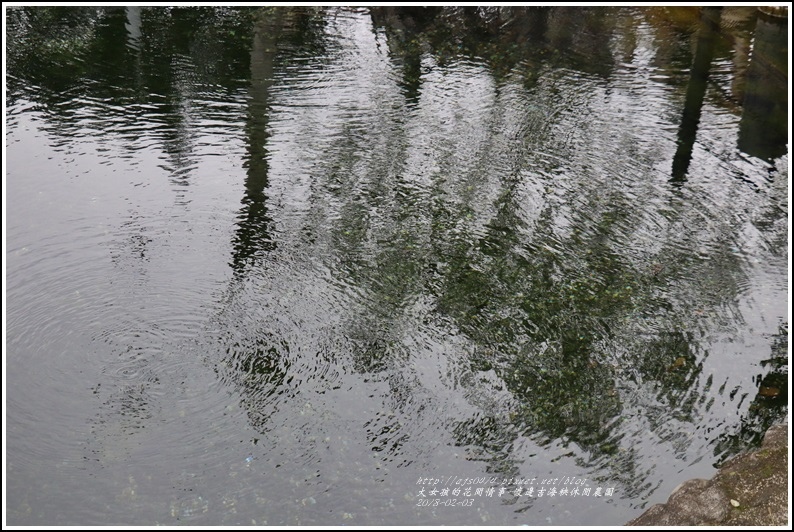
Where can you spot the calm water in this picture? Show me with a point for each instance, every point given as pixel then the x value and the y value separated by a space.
pixel 277 266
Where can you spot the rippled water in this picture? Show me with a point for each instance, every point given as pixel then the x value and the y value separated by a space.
pixel 277 266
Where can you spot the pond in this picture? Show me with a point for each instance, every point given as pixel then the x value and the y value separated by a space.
pixel 389 266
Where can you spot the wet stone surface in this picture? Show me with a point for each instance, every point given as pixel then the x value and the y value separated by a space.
pixel 748 490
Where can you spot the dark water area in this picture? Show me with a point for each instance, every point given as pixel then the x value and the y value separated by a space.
pixel 315 266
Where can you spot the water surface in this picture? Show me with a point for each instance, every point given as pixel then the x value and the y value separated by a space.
pixel 277 266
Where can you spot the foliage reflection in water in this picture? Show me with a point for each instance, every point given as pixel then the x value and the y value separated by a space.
pixel 274 265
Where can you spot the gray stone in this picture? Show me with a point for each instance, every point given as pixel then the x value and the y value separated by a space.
pixel 758 481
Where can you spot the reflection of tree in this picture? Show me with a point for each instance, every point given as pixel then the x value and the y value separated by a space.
pixel 540 305
pixel 763 129
pixel 127 74
pixel 252 237
pixel 755 44
pixel 258 363
pixel 130 76
pixel 545 307
pixel 404 26
pixel 90 79
pixel 460 226
pixel 506 37
pixel 538 321
pixel 79 66
pixel 45 47
pixel 276 32
pixel 549 315
pixel 696 90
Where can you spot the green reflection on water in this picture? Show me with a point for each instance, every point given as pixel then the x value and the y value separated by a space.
pixel 503 235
